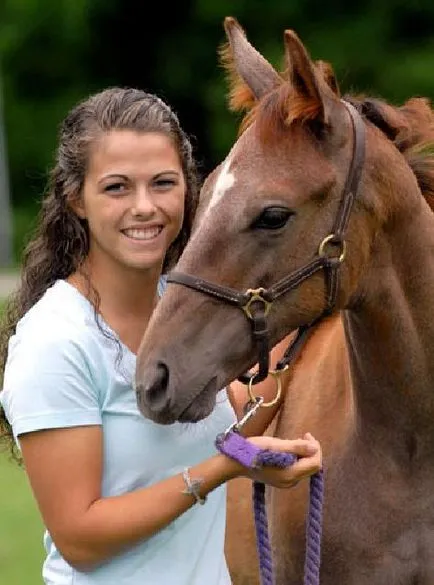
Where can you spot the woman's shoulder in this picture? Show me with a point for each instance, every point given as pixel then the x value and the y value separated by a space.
pixel 62 316
pixel 54 355
pixel 55 368
pixel 61 301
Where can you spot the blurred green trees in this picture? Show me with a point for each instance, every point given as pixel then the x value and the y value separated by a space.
pixel 55 52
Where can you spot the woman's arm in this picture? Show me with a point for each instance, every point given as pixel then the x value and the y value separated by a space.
pixel 65 471
pixel 238 394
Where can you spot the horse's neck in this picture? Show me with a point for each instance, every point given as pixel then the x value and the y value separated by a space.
pixel 391 335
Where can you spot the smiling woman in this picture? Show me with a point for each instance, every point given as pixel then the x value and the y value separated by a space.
pixel 116 491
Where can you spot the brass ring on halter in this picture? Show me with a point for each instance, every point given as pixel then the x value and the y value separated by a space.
pixel 331 238
pixel 255 295
pixel 277 376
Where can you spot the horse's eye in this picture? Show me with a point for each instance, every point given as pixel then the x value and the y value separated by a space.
pixel 272 218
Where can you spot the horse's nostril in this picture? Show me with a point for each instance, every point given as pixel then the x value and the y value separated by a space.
pixel 153 391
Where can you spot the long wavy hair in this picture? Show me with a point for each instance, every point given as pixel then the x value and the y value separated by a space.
pixel 60 242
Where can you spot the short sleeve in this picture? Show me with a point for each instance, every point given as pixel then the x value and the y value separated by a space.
pixel 49 383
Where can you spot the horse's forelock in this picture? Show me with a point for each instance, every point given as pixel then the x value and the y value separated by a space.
pixel 279 110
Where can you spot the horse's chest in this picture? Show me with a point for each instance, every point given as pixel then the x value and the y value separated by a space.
pixel 379 519
pixel 403 558
pixel 378 528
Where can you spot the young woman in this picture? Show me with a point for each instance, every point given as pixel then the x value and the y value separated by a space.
pixel 118 494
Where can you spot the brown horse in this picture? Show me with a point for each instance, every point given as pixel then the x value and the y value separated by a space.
pixel 363 383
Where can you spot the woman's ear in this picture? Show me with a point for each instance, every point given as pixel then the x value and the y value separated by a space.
pixel 75 203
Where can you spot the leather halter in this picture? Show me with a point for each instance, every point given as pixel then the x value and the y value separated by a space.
pixel 256 303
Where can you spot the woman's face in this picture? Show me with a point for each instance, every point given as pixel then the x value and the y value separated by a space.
pixel 133 199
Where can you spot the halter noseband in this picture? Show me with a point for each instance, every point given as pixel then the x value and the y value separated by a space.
pixel 256 303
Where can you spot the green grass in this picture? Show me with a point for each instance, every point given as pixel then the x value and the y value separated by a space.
pixel 21 530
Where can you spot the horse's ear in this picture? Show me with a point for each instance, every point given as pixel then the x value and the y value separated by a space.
pixel 327 73
pixel 304 77
pixel 259 75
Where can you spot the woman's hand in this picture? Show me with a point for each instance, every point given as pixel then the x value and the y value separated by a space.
pixel 309 462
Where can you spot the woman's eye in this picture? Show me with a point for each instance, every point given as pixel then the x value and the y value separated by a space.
pixel 272 218
pixel 165 183
pixel 115 187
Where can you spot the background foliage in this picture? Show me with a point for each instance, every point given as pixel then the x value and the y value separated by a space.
pixel 55 52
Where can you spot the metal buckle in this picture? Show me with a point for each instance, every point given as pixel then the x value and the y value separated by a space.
pixel 277 376
pixel 256 295
pixel 252 408
pixel 333 239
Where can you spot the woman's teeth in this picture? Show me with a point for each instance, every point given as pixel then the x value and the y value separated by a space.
pixel 143 234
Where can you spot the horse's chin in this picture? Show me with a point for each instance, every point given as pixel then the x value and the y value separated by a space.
pixel 199 408
pixel 202 406
pixel 193 414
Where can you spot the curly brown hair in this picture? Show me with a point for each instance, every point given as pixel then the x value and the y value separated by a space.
pixel 61 240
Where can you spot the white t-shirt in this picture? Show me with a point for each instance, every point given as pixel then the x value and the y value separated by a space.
pixel 62 371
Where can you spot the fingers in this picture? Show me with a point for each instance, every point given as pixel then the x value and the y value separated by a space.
pixel 306 447
pixel 306 466
pixel 285 478
pixel 309 461
pixel 303 468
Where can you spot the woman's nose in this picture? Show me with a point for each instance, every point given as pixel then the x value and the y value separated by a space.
pixel 143 203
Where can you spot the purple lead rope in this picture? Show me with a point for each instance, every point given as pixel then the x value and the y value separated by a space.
pixel 237 447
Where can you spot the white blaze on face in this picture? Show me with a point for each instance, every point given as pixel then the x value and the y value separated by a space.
pixel 224 182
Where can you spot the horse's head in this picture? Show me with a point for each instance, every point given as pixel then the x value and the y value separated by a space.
pixel 281 201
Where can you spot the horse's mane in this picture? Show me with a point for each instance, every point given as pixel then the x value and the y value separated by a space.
pixel 410 127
